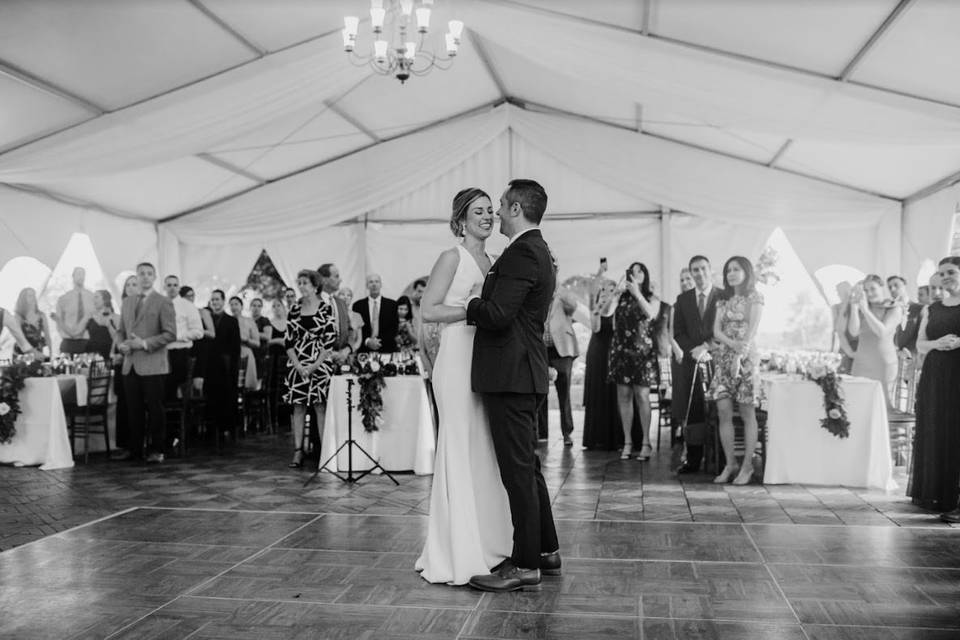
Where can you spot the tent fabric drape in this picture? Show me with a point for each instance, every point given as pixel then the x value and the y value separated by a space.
pixel 721 90
pixel 190 120
pixel 927 227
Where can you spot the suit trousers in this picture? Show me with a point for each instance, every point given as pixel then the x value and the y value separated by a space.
pixel 144 395
pixel 179 367
pixel 564 368
pixel 513 419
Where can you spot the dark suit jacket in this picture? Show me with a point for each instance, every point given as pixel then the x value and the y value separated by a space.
pixel 224 359
pixel 688 329
pixel 389 323
pixel 906 336
pixel 509 355
pixel 156 323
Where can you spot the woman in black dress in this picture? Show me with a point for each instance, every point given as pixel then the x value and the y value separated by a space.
pixel 278 360
pixel 601 420
pixel 634 365
pixel 936 462
pixel 121 434
pixel 310 336
pixel 34 326
pixel 102 326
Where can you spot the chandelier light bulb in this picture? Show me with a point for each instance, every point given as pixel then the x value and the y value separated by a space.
pixel 380 50
pixel 351 25
pixel 410 50
pixel 376 4
pixel 423 19
pixel 451 45
pixel 407 7
pixel 349 40
pixel 377 16
pixel 456 29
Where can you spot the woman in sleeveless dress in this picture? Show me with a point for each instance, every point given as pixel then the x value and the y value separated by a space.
pixel 469 530
pixel 874 321
pixel 34 326
pixel 936 451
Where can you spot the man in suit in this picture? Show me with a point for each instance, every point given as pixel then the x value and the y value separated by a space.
pixel 510 371
pixel 148 323
pixel 380 321
pixel 906 335
pixel 74 309
pixel 223 366
pixel 693 318
pixel 329 286
pixel 562 350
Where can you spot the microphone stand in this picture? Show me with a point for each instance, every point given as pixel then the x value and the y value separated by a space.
pixel 350 443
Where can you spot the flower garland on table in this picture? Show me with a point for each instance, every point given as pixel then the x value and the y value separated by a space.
pixel 371 376
pixel 12 380
pixel 821 369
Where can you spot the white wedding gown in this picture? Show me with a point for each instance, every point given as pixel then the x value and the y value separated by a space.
pixel 469 529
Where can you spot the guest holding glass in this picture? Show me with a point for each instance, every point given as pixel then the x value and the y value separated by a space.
pixel 310 338
pixel 936 461
pixel 737 364
pixel 633 365
pixel 874 320
pixel 33 324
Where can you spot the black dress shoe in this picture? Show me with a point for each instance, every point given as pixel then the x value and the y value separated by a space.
pixel 688 469
pixel 509 578
pixel 953 517
pixel 550 563
pixel 568 442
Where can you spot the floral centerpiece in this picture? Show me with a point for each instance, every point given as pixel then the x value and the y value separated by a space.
pixel 820 368
pixel 370 373
pixel 12 380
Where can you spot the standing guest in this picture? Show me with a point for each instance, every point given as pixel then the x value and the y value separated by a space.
pixel 634 367
pixel 102 326
pixel 278 360
pixel 406 337
pixel 936 462
pixel 122 432
pixel 736 375
pixel 74 308
pixel 310 338
pixel 601 419
pixel 379 315
pixel 148 324
pixel 189 329
pixel 906 335
pixel 356 321
pixel 562 350
pixel 874 321
pixel 416 296
pixel 845 341
pixel 935 287
pixel 265 330
pixel 686 280
pixel 289 297
pixel 32 323
pixel 201 347
pixel 329 286
pixel 693 319
pixel 9 322
pixel 923 295
pixel 249 342
pixel 223 365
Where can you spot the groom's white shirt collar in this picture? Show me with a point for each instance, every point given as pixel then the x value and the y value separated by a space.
pixel 514 237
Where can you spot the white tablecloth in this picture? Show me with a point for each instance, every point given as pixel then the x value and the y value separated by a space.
pixel 406 439
pixel 800 451
pixel 42 437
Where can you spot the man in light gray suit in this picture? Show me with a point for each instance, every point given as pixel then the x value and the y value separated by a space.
pixel 148 323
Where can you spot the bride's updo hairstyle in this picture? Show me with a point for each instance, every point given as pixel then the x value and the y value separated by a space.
pixel 461 205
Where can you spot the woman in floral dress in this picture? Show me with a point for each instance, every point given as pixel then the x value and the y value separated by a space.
pixel 736 364
pixel 633 354
pixel 310 336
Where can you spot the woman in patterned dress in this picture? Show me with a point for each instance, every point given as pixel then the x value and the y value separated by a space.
pixel 736 363
pixel 309 339
pixel 633 354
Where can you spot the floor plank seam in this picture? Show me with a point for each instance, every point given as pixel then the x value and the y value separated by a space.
pixel 773 579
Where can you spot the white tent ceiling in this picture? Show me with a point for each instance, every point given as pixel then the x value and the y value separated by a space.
pixel 170 111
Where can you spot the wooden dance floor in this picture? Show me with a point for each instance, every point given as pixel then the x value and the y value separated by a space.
pixel 234 547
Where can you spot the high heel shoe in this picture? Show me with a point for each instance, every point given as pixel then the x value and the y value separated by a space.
pixel 745 476
pixel 725 475
pixel 297 462
pixel 627 451
pixel 645 452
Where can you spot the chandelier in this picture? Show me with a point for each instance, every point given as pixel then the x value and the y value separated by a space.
pixel 400 46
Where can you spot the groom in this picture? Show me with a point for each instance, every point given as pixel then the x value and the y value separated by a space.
pixel 510 371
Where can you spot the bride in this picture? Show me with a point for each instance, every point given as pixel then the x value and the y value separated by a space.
pixel 469 529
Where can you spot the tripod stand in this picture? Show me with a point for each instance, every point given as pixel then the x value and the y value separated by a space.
pixel 350 443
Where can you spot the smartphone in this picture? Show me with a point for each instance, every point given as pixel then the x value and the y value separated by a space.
pixel 629 275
